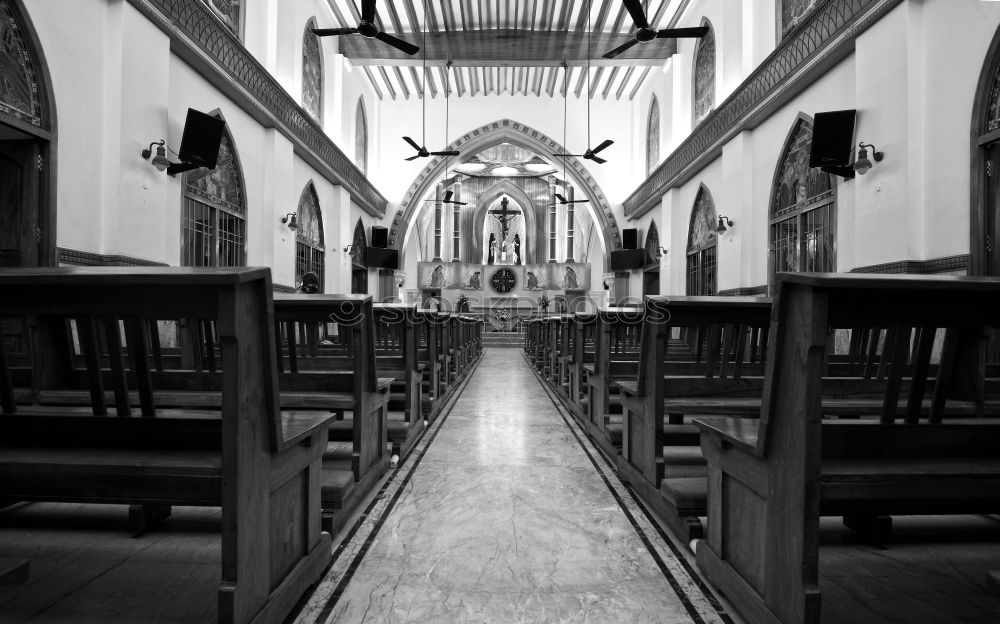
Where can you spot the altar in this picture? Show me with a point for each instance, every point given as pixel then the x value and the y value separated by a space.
pixel 505 314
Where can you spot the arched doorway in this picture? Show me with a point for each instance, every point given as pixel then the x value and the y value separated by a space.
pixel 27 135
pixel 651 272
pixel 984 225
pixel 702 246
pixel 310 250
pixel 803 219
pixel 359 266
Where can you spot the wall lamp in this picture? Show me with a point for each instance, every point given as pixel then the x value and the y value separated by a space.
pixel 663 251
pixel 862 164
pixel 348 248
pixel 162 163
pixel 289 218
pixel 723 222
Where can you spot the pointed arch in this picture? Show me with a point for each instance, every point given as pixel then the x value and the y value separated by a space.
pixel 984 222
pixel 703 75
pixel 214 213
pixel 803 230
pixel 310 248
pixel 361 137
pixel 653 136
pixel 488 135
pixel 312 72
pixel 27 110
pixel 702 245
pixel 359 243
pixel 652 245
pixel 486 199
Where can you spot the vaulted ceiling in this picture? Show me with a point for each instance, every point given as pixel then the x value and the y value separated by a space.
pixel 527 47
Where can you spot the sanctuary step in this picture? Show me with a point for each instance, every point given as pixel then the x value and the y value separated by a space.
pixel 503 340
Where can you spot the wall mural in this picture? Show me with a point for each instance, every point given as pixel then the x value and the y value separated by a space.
pixel 704 76
pixel 793 12
pixel 530 278
pixel 312 73
pixel 229 12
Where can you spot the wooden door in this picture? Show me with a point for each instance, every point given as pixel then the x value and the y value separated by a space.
pixel 359 281
pixel 20 235
pixel 651 283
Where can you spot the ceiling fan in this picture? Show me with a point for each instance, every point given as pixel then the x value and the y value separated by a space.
pixel 564 201
pixel 422 149
pixel 644 33
pixel 589 154
pixel 448 199
pixel 367 28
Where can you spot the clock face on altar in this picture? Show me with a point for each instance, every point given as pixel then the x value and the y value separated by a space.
pixel 503 280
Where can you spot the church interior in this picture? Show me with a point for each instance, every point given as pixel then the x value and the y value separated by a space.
pixel 319 311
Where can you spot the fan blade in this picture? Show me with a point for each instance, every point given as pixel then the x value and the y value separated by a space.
pixel 569 155
pixel 605 144
pixel 326 32
pixel 634 8
pixel 597 159
pixel 412 157
pixel 447 153
pixel 625 46
pixel 448 196
pixel 412 143
pixel 461 203
pixel 562 200
pixel 399 44
pixel 673 33
pixel 368 11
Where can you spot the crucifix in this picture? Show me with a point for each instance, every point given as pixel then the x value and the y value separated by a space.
pixel 504 216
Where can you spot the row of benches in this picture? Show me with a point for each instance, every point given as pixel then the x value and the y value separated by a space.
pixel 160 387
pixel 853 396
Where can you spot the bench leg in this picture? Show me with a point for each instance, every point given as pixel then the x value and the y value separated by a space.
pixel 870 528
pixel 144 518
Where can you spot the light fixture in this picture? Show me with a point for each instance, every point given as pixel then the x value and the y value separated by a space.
pixel 348 248
pixel 663 251
pixel 292 222
pixel 723 222
pixel 862 164
pixel 160 160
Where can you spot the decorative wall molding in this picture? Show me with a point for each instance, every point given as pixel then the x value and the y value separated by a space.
pixel 752 291
pixel 88 258
pixel 949 264
pixel 199 38
pixel 824 39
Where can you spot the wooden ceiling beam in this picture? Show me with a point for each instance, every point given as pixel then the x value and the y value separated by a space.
pixel 518 48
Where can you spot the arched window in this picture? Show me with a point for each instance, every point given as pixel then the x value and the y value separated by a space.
pixel 309 248
pixel 213 219
pixel 791 13
pixel 653 137
pixel 803 229
pixel 361 138
pixel 312 73
pixel 702 245
pixel 704 75
pixel 230 12
pixel 984 220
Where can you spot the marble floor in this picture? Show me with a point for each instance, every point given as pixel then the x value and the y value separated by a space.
pixel 504 512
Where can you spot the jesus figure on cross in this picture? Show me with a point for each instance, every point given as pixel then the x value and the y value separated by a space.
pixel 504 217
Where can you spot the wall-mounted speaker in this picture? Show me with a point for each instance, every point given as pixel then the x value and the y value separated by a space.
pixel 627 259
pixel 380 237
pixel 833 142
pixel 201 139
pixel 382 258
pixel 630 238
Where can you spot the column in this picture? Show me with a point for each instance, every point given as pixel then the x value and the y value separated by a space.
pixel 570 191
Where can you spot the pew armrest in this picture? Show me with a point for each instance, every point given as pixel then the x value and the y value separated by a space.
pixel 299 426
pixel 630 388
pixel 738 432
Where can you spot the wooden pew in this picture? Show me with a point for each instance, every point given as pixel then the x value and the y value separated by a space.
pixel 661 454
pixel 770 479
pixel 579 353
pixel 341 377
pixel 616 358
pixel 261 465
pixel 396 357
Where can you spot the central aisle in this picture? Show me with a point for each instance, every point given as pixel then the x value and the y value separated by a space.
pixel 505 514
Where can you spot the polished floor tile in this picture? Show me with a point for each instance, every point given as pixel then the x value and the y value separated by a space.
pixel 504 513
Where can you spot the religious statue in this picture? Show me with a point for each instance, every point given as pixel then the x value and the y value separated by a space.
pixel 493 248
pixel 437 277
pixel 517 249
pixel 532 281
pixel 474 282
pixel 570 282
pixel 504 217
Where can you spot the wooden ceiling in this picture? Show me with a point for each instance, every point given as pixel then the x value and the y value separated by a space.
pixel 517 47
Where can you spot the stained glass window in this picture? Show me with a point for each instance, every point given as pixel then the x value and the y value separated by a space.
pixel 229 11
pixel 653 137
pixel 993 104
pixel 704 75
pixel 652 244
pixel 792 12
pixel 361 138
pixel 312 73
pixel 803 232
pixel 213 222
pixel 19 90
pixel 702 245
pixel 309 247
